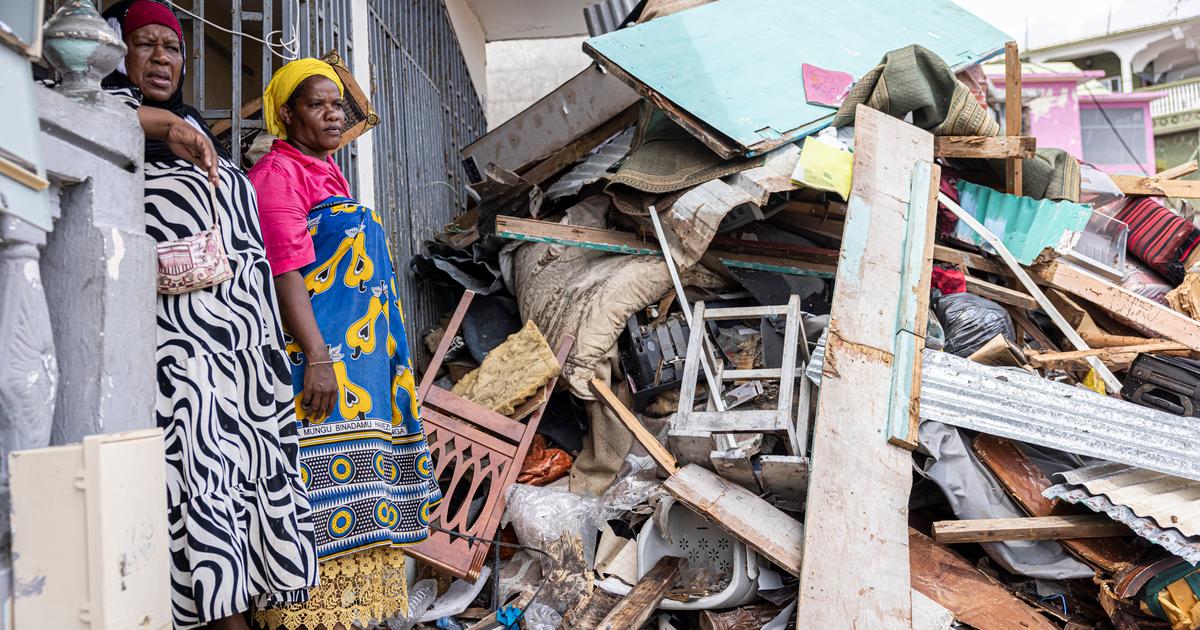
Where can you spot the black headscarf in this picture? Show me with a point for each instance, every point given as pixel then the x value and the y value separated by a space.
pixel 156 150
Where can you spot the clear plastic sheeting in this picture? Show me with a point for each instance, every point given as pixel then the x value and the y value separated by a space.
pixel 565 526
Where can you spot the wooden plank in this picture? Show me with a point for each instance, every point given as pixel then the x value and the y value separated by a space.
pixel 974 598
pixel 742 514
pixel 1155 187
pixel 1118 358
pixel 745 312
pixel 731 421
pixel 639 604
pixel 1003 295
pixel 1025 483
pixel 913 411
pixel 1030 528
pixel 587 614
pixel 1012 114
pixel 991 147
pixel 617 242
pixel 785 476
pixel 580 147
pixel 21 175
pixel 1148 315
pixel 969 260
pixel 1177 171
pixel 856 542
pixel 657 451
pixel 250 107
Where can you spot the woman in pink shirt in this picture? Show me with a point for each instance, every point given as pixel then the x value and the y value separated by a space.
pixel 363 456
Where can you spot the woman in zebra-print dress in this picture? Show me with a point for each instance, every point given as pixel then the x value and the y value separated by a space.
pixel 241 531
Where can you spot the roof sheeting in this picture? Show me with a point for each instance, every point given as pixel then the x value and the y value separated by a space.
pixel 1167 500
pixel 1174 541
pixel 1015 404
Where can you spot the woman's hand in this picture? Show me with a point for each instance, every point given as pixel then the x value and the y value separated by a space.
pixel 320 391
pixel 188 143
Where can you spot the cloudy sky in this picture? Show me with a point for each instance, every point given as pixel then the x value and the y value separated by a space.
pixel 1036 23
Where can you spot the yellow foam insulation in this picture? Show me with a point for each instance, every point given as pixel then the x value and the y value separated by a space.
pixel 511 373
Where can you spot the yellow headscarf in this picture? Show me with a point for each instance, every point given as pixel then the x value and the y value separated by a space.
pixel 285 81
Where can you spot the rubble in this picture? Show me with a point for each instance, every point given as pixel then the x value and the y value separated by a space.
pixel 834 352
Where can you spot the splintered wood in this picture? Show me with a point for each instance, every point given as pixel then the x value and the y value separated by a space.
pixel 856 523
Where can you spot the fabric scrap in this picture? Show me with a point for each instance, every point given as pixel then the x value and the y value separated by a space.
pixel 511 373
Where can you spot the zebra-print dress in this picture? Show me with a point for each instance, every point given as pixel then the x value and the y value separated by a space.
pixel 240 520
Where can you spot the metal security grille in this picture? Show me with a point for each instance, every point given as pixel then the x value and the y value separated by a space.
pixel 423 93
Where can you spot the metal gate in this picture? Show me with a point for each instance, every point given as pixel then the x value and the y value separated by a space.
pixel 428 107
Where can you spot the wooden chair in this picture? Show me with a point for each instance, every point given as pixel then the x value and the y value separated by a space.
pixel 478 449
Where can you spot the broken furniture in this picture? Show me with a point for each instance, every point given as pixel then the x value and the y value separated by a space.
pixel 481 452
pixel 691 435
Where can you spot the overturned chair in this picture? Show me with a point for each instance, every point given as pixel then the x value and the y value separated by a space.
pixel 478 449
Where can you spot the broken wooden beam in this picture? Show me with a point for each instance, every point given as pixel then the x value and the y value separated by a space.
pixel 1144 314
pixel 1013 115
pixel 990 147
pixel 1157 187
pixel 1179 170
pixel 617 242
pixel 657 451
pixel 1029 528
pixel 1113 356
pixel 969 260
pixel 856 543
pixel 997 293
pixel 974 598
pixel 580 147
pixel 633 611
pixel 742 514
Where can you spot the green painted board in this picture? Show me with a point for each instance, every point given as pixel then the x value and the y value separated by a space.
pixel 734 65
pixel 1026 225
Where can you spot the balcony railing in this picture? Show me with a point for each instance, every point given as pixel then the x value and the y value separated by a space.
pixel 1182 96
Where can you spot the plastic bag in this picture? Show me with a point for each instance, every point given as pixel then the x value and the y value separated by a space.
pixel 971 321
pixel 636 483
pixel 541 617
pixel 420 598
pixel 565 526
pixel 823 166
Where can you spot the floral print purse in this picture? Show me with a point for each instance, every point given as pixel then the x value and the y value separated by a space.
pixel 196 262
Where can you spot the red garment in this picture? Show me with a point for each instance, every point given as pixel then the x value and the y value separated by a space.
pixel 289 183
pixel 145 12
pixel 949 281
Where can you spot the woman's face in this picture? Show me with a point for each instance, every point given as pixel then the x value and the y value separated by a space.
pixel 154 61
pixel 314 115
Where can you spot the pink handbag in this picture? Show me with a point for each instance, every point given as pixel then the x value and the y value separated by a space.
pixel 196 262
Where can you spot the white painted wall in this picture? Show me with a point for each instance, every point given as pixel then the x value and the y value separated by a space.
pixel 519 72
pixel 473 41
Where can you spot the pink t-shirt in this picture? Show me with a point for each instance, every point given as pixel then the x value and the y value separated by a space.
pixel 289 183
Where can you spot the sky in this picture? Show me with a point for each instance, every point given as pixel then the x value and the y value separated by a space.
pixel 1035 23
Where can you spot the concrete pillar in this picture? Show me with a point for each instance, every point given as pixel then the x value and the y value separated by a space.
pixel 99 268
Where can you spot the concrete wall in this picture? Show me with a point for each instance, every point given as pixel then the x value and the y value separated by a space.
pixel 473 42
pixel 519 72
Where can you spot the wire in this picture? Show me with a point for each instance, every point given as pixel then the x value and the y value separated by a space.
pixel 1118 134
pixel 290 48
pixel 499 543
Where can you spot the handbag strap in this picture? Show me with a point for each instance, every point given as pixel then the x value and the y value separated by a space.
pixel 212 199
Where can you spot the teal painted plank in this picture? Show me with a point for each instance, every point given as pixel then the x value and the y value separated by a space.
pixel 735 64
pixel 646 251
pixel 903 364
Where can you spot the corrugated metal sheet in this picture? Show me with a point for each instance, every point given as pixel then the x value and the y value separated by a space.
pixel 607 16
pixel 1170 539
pixel 1167 500
pixel 1015 404
pixel 593 167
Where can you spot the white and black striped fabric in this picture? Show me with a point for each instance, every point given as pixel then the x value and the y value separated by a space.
pixel 241 528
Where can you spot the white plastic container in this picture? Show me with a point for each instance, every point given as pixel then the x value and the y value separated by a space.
pixel 702 544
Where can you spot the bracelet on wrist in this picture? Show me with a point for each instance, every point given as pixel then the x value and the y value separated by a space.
pixel 331 361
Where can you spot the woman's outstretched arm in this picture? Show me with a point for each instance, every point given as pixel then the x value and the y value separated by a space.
pixel 320 383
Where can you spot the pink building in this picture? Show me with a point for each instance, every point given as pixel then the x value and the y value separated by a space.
pixel 1066 108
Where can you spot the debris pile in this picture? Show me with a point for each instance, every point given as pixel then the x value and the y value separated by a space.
pixel 758 331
